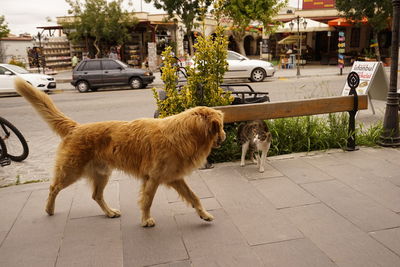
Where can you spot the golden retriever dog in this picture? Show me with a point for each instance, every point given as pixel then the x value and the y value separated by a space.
pixel 157 151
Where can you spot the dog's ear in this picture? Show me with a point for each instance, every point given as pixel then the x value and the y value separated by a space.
pixel 215 126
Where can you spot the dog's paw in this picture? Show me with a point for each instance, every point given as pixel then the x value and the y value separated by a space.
pixel 150 222
pixel 261 170
pixel 114 213
pixel 50 210
pixel 206 216
pixel 242 164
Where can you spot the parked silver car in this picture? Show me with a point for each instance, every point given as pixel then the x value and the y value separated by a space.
pixel 243 67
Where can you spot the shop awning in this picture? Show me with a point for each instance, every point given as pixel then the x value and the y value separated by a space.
pixel 312 26
pixel 291 39
pixel 343 22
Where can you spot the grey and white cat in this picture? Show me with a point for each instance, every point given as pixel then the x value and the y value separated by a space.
pixel 254 135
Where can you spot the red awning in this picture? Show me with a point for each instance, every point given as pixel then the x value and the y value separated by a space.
pixel 343 22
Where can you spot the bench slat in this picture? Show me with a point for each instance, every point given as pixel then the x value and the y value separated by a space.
pixel 295 108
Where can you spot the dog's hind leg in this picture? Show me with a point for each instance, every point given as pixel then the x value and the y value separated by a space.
pixel 149 188
pixel 99 181
pixel 187 194
pixel 64 176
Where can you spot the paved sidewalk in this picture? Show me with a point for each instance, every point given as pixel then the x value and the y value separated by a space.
pixel 329 208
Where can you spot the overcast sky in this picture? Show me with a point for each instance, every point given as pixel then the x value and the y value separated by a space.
pixel 24 16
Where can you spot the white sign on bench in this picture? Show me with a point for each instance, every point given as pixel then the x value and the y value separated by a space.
pixel 373 81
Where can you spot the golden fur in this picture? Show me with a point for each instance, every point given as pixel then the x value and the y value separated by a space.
pixel 158 151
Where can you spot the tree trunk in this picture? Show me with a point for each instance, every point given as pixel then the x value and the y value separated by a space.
pixel 95 43
pixel 190 42
pixel 238 36
pixel 240 45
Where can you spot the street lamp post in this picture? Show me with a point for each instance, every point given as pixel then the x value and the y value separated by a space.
pixel 390 135
pixel 298 20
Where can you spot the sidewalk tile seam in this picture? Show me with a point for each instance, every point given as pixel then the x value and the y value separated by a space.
pixel 67 218
pixel 383 244
pixel 16 219
pixel 181 236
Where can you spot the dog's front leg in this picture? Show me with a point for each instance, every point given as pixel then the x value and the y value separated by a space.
pixel 184 191
pixel 149 188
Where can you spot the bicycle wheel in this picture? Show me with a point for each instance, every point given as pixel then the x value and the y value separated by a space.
pixel 17 147
pixel 3 150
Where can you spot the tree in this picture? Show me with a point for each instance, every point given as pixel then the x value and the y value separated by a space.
pixel 104 23
pixel 242 12
pixel 376 11
pixel 186 10
pixel 4 30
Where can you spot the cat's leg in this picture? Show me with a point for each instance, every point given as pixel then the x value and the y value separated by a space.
pixel 261 160
pixel 245 147
pixel 253 158
pixel 264 157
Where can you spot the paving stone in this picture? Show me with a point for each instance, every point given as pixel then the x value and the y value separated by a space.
pixel 215 244
pixel 230 255
pixel 297 253
pixel 250 171
pixel 378 166
pixel 183 208
pixel 354 206
pixel 256 218
pixel 85 206
pixel 149 246
pixel 91 241
pixel 390 238
pixel 379 189
pixel 35 238
pixel 197 185
pixel 10 207
pixel 283 192
pixel 175 264
pixel 338 238
pixel 324 160
pixel 299 171
pixel 390 155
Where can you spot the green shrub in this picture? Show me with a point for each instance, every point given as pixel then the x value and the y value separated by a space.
pixel 204 79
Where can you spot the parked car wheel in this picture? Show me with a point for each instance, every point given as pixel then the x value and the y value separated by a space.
pixel 82 86
pixel 136 83
pixel 257 75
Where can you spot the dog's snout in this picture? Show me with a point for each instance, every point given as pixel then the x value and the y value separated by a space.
pixel 221 138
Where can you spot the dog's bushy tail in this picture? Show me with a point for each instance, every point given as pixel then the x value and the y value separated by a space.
pixel 43 104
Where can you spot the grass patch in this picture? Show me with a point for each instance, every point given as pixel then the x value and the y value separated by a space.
pixel 302 134
pixel 18 182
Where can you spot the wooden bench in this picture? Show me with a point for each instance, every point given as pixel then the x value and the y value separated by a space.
pixel 297 108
